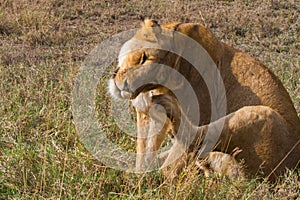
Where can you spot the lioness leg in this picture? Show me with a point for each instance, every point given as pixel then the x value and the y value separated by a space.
pixel 267 143
pixel 221 164
pixel 152 127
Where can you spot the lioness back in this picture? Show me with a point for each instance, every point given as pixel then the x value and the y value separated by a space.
pixel 247 81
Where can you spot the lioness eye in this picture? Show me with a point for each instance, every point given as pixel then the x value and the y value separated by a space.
pixel 143 58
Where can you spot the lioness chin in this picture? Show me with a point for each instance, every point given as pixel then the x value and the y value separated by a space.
pixel 260 118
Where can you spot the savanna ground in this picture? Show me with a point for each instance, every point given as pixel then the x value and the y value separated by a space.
pixel 42 46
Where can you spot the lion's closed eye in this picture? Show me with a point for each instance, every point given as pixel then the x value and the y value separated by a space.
pixel 143 58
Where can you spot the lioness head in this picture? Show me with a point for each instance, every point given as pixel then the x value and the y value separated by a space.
pixel 140 62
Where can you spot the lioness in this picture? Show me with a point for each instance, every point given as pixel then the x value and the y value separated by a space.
pixel 260 118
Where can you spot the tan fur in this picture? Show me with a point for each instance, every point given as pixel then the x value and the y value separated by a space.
pixel 261 119
pixel 222 164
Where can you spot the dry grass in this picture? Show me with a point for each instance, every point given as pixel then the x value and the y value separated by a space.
pixel 42 45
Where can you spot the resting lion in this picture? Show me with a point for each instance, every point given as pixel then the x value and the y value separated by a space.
pixel 260 118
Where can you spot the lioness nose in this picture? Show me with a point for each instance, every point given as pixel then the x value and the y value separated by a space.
pixel 115 72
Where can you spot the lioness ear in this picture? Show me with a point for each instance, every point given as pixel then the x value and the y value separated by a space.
pixel 149 31
pixel 148 23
